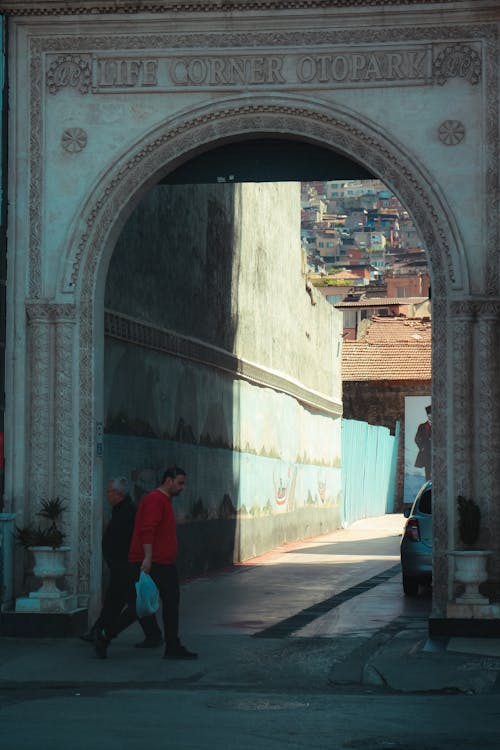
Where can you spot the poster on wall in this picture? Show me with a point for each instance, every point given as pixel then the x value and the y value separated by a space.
pixel 418 431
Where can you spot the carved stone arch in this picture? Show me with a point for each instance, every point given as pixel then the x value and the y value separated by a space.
pixel 338 128
pixel 176 141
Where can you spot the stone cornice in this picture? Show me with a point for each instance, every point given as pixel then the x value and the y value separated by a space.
pixel 93 7
pixel 140 333
pixel 473 308
pixel 49 312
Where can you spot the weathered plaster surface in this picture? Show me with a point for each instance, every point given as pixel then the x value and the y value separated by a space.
pixel 223 263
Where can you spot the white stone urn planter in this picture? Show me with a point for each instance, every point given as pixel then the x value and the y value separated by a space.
pixel 45 544
pixel 50 564
pixel 470 570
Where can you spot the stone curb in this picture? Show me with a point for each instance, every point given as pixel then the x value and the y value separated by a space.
pixel 408 662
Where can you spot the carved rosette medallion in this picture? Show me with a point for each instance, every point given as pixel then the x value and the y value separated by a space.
pixel 457 61
pixel 74 140
pixel 69 70
pixel 451 132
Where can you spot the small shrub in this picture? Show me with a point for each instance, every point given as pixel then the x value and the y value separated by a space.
pixel 38 536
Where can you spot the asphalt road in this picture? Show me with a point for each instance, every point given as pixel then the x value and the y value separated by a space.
pixel 241 720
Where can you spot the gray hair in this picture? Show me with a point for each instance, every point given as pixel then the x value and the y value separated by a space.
pixel 120 484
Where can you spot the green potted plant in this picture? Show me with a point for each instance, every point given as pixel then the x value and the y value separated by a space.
pixel 43 536
pixel 469 520
pixel 46 543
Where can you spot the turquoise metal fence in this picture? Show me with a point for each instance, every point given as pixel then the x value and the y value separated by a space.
pixel 369 462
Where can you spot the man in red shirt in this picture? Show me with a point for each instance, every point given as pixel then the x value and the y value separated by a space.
pixel 153 549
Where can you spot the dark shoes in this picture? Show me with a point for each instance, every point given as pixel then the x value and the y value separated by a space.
pixel 89 636
pixel 101 643
pixel 179 652
pixel 150 642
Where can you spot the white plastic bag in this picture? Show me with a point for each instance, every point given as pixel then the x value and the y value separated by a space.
pixel 148 600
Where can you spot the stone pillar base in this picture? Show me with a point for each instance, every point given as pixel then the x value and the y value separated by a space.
pixel 34 603
pixel 464 627
pixel 483 610
pixel 44 624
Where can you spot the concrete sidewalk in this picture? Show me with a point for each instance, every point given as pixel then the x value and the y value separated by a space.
pixel 327 614
pixel 402 658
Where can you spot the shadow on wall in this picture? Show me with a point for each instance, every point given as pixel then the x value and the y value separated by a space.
pixel 173 268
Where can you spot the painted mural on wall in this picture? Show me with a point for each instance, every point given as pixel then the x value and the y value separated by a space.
pixel 418 434
pixel 248 451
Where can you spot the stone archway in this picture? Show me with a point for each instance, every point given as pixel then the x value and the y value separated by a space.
pixel 160 152
pixel 403 86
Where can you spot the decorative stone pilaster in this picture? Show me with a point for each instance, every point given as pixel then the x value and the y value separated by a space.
pixel 459 471
pixel 89 572
pixel 39 387
pixel 63 397
pixel 473 469
pixel 65 468
pixel 51 466
pixel 452 431
pixel 487 427
pixel 440 448
pixel 460 477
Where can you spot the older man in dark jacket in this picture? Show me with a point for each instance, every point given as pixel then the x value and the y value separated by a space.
pixel 115 615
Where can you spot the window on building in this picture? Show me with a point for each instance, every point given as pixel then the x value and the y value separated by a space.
pixel 333 298
pixel 349 319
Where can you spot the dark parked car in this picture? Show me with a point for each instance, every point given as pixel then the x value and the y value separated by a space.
pixel 416 544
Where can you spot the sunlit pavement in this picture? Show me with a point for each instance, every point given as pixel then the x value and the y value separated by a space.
pixel 265 591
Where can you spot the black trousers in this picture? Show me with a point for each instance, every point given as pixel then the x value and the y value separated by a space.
pixel 116 597
pixel 167 581
pixel 117 614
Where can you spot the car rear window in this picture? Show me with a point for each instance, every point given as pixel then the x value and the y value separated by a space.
pixel 425 505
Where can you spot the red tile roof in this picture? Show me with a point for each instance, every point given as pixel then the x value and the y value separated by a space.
pixel 346 275
pixel 392 349
pixel 380 302
pixel 398 330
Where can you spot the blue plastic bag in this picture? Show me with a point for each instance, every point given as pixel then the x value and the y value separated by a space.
pixel 148 599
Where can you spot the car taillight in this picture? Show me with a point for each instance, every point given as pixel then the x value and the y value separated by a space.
pixel 412 530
